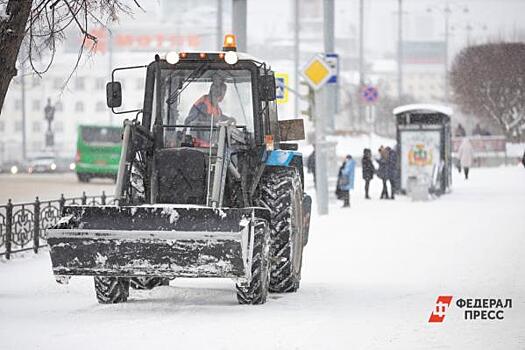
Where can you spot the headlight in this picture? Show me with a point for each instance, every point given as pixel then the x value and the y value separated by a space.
pixel 53 166
pixel 172 57
pixel 14 169
pixel 231 57
pixel 72 166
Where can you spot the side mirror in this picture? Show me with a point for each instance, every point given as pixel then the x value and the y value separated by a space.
pixel 267 87
pixel 113 94
pixel 291 130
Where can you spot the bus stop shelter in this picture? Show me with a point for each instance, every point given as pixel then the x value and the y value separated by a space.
pixel 423 134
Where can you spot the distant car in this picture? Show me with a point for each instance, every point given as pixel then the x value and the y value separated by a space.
pixel 65 165
pixel 12 167
pixel 44 164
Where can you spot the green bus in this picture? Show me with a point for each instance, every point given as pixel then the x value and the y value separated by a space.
pixel 98 152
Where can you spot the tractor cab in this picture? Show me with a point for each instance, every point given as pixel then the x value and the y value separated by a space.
pixel 187 94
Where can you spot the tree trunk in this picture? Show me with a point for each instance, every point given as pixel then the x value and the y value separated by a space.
pixel 12 31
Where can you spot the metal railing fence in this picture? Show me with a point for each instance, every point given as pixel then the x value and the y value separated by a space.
pixel 23 226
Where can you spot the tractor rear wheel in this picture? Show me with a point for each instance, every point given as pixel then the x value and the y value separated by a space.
pixel 256 291
pixel 111 290
pixel 147 283
pixel 281 192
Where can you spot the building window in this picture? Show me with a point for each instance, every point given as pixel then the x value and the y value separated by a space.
pixel 99 84
pixel 79 84
pixel 79 107
pixel 37 127
pixel 59 107
pixel 18 105
pixel 99 107
pixel 35 106
pixel 18 125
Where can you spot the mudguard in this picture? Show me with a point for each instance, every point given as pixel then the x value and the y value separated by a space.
pixel 307 210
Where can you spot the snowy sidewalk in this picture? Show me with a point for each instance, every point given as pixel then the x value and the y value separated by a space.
pixel 371 276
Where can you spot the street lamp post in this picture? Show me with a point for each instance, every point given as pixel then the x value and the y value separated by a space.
pixel 446 12
pixel 469 28
pixel 400 50
pixel 219 25
pixel 296 56
pixel 49 115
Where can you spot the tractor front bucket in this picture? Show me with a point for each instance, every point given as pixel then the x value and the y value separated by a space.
pixel 154 240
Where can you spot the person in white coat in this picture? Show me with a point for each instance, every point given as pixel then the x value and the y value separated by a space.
pixel 466 155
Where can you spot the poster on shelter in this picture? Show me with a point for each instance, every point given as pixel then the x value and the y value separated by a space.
pixel 419 154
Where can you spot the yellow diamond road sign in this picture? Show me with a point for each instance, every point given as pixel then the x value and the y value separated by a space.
pixel 317 72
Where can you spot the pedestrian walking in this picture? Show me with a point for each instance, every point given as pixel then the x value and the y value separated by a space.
pixel 391 170
pixel 466 155
pixel 345 181
pixel 382 170
pixel 368 170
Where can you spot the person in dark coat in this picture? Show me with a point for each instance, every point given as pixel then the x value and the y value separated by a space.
pixel 345 181
pixel 382 170
pixel 391 170
pixel 460 131
pixel 368 169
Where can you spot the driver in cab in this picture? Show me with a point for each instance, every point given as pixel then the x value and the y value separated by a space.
pixel 207 106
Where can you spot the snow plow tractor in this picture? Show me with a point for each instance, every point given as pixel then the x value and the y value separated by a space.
pixel 208 186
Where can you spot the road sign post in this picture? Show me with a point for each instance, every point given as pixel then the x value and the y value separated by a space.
pixel 370 95
pixel 317 73
pixel 281 84
pixel 333 84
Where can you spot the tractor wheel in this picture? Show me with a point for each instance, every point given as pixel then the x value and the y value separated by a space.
pixel 147 283
pixel 256 291
pixel 281 192
pixel 111 290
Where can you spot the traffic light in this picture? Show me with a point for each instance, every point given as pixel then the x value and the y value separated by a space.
pixel 310 99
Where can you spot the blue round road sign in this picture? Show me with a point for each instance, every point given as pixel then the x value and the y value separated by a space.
pixel 370 94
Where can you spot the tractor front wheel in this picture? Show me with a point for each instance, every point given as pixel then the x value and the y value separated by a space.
pixel 256 290
pixel 111 290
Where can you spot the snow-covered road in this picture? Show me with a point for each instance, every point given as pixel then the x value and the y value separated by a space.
pixel 371 276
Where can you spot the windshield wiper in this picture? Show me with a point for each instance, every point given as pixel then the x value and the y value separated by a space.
pixel 193 75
